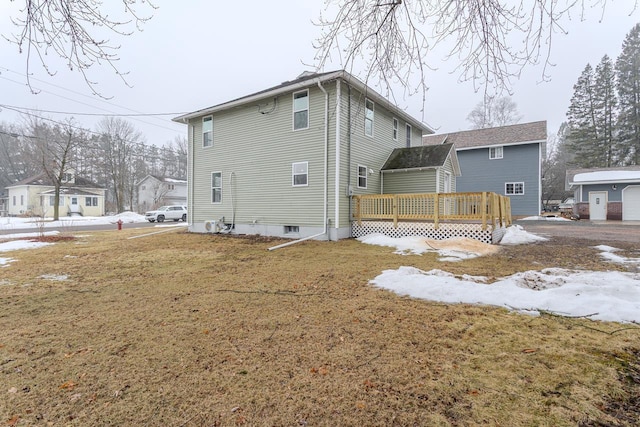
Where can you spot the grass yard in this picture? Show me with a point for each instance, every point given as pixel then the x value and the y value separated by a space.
pixel 180 329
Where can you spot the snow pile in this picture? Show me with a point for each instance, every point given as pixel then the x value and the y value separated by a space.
pixel 17 245
pixel 609 296
pixel 454 249
pixel 516 235
pixel 608 253
pixel 544 218
pixel 28 235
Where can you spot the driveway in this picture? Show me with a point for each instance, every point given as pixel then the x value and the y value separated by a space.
pixel 612 231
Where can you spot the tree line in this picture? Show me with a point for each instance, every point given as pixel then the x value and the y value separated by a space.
pixel 114 156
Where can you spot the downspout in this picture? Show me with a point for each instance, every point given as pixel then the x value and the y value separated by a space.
pixel 325 208
pixel 338 161
pixel 192 158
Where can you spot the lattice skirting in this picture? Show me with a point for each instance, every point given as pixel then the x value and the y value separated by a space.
pixel 426 229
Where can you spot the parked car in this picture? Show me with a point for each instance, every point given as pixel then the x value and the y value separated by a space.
pixel 174 212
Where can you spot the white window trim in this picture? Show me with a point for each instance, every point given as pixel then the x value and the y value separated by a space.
pixel 373 119
pixel 213 188
pixel 294 111
pixel 514 188
pixel 395 131
pixel 293 174
pixel 203 132
pixel 496 157
pixel 358 176
pixel 407 138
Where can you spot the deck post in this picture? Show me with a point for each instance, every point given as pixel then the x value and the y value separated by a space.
pixel 357 209
pixel 395 211
pixel 484 211
pixel 436 211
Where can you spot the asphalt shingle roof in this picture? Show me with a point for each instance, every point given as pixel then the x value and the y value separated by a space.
pixel 503 135
pixel 426 156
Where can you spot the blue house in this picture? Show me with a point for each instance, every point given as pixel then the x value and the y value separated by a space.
pixel 506 160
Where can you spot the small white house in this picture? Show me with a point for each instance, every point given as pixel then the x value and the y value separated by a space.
pixel 35 196
pixel 155 191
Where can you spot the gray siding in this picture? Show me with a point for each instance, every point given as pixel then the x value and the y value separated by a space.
pixel 612 195
pixel 520 163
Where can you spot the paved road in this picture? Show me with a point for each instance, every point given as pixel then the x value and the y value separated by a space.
pixel 614 231
pixel 95 227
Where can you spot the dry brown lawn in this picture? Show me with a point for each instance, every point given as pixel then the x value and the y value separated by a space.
pixel 180 329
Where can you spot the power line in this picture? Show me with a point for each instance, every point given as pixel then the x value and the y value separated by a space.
pixel 83 95
pixel 144 146
pixel 90 114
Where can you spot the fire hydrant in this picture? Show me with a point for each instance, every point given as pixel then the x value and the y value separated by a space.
pixel 119 224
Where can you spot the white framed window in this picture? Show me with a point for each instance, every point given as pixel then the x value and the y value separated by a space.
pixel 362 176
pixel 14 200
pixel 207 131
pixel 300 174
pixel 171 187
pixel 408 135
pixel 22 200
pixel 513 188
pixel 495 153
pixel 74 201
pixel 368 117
pixel 91 201
pixel 301 110
pixel 216 187
pixel 395 129
pixel 52 201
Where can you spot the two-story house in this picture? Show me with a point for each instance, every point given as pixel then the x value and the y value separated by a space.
pixel 155 191
pixel 285 161
pixel 506 160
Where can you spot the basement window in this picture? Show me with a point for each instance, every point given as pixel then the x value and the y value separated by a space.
pixel 290 229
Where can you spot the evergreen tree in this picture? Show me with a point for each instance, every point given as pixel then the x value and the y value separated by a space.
pixel 582 137
pixel 605 103
pixel 628 74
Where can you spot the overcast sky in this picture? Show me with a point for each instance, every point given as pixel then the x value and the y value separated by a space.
pixel 194 54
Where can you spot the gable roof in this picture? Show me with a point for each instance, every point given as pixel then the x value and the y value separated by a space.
pixel 43 179
pixel 167 179
pixel 306 80
pixel 424 157
pixel 503 135
pixel 623 174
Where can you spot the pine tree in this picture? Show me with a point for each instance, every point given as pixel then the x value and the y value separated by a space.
pixel 628 74
pixel 605 111
pixel 582 138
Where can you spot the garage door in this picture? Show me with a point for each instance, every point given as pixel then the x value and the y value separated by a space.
pixel 631 203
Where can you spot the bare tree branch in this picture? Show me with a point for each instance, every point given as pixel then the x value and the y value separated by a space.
pixel 492 41
pixel 73 30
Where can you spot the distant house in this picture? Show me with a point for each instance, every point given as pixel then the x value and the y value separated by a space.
pixel 4 203
pixel 155 191
pixel 506 160
pixel 35 196
pixel 606 193
pixel 285 161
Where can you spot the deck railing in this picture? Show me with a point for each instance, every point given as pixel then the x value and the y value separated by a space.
pixel 487 208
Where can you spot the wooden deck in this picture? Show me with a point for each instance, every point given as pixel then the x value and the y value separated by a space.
pixel 484 208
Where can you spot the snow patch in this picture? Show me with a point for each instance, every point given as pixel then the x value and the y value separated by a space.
pixel 516 235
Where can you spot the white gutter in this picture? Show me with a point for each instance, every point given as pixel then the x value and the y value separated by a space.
pixel 338 164
pixel 325 210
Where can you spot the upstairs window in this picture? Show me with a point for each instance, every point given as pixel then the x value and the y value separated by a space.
pixel 207 131
pixel 495 153
pixel 362 176
pixel 300 174
pixel 513 188
pixel 301 110
pixel 408 135
pixel 368 117
pixel 216 187
pixel 395 129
